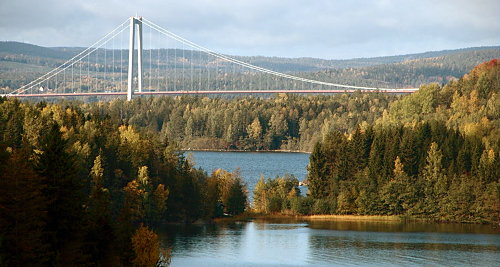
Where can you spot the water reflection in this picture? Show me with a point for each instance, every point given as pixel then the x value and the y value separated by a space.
pixel 298 243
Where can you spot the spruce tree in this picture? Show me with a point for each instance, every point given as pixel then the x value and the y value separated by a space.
pixel 435 181
pixel 318 176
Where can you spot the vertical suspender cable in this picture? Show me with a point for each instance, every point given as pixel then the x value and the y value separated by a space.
pixel 105 71
pixel 113 85
pixel 150 59
pixel 158 48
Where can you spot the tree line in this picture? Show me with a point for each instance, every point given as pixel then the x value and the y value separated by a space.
pixel 288 122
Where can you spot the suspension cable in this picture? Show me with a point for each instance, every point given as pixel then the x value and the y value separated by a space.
pixel 248 65
pixel 73 60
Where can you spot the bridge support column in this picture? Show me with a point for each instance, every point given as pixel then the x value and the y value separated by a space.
pixel 130 89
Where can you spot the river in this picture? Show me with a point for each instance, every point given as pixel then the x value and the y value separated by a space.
pixel 321 243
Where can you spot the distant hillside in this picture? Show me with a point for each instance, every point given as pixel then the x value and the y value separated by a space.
pixel 411 72
pixel 315 64
pixel 476 54
pixel 21 62
pixel 24 49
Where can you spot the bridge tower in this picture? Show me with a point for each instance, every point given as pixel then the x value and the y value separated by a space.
pixel 134 21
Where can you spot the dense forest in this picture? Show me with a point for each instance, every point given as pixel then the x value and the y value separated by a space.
pixel 93 189
pixel 433 154
pixel 97 178
pixel 287 122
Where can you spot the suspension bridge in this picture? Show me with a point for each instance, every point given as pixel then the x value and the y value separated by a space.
pixel 165 63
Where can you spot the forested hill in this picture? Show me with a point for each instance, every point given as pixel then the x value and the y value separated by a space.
pixel 434 154
pixel 315 64
pixel 21 63
pixel 13 50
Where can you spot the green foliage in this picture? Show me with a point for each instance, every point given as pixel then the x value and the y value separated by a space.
pixel 89 183
pixel 229 190
pixel 318 175
pixel 289 122
pixel 323 206
pixel 64 190
pixel 275 195
pixel 433 153
pixel 302 205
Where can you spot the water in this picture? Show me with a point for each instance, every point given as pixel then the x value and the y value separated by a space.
pixel 254 164
pixel 321 243
pixel 298 243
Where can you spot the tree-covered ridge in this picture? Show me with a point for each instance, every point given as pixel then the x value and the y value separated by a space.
pixel 413 72
pixel 287 122
pixel 21 63
pixel 435 153
pixel 21 52
pixel 91 188
pixel 470 104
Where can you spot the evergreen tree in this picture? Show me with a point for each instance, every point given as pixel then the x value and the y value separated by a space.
pixel 23 216
pixel 398 193
pixel 64 191
pixel 100 233
pixel 237 200
pixel 376 159
pixel 318 175
pixel 409 151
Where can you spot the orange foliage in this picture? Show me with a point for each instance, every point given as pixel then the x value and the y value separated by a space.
pixel 146 246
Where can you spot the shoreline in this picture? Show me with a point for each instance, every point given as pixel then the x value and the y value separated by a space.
pixel 243 151
pixel 343 218
pixel 328 217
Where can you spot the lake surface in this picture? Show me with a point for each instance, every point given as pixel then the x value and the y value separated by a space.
pixel 253 164
pixel 320 243
pixel 296 243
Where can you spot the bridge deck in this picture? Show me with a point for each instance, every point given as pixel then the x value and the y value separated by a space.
pixel 212 92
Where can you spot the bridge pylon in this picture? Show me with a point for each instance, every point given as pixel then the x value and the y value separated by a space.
pixel 134 21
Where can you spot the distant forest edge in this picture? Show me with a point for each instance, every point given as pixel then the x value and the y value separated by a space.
pixel 20 63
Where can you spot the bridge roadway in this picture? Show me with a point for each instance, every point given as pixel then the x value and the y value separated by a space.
pixel 215 92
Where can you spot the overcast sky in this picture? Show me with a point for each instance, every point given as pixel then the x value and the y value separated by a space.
pixel 331 29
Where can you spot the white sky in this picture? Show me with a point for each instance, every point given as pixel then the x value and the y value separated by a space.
pixel 330 29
